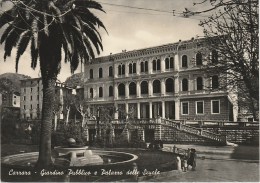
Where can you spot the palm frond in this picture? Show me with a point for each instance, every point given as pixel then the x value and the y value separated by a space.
pixel 22 45
pixel 34 53
pixel 89 4
pixel 6 17
pixel 35 31
pixel 5 33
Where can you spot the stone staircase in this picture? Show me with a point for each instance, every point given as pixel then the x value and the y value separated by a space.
pixel 177 125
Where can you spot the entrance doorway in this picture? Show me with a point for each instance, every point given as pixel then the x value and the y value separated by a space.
pixel 149 135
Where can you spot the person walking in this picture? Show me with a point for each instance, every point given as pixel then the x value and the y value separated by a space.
pixel 192 159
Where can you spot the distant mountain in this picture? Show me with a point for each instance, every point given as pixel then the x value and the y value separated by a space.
pixel 11 82
pixel 75 80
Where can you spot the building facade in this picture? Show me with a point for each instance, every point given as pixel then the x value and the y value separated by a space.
pixel 31 97
pixel 165 81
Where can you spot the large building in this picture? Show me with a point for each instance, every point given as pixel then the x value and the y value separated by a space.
pixel 166 81
pixel 31 97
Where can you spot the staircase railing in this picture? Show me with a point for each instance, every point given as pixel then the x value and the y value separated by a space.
pixel 193 130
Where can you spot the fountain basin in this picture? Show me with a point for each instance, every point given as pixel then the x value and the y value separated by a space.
pixel 108 158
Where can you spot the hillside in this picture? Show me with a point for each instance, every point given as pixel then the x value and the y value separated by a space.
pixel 11 82
pixel 74 80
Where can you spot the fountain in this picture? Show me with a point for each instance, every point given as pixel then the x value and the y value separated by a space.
pixel 72 156
pixel 77 155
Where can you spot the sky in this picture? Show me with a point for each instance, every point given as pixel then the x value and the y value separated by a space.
pixel 128 29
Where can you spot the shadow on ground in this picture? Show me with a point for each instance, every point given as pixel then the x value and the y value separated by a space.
pixel 245 152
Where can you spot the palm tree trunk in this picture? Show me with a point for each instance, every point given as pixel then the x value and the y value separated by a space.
pixel 67 116
pixel 55 121
pixel 44 159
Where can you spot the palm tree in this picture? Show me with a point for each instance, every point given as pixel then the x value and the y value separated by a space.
pixel 50 26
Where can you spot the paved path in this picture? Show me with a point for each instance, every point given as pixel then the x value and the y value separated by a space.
pixel 217 167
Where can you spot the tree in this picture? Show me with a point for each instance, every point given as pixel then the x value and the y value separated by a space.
pixel 68 103
pixel 232 34
pixel 83 108
pixel 50 26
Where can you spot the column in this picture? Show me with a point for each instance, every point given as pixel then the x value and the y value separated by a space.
pixel 126 90
pixel 150 110
pixel 126 69
pixel 163 109
pixel 138 69
pixel 150 66
pixel 162 87
pixel 190 84
pixel 176 84
pixel 177 109
pixel 116 111
pixel 150 87
pixel 138 110
pixel 176 62
pixel 126 110
pixel 115 71
pixel 138 91
pixel 115 91
pixel 163 64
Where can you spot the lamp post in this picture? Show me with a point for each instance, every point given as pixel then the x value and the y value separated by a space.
pixel 98 118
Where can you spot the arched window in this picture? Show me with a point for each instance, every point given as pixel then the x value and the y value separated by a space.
pixel 156 86
pixel 154 65
pixel 214 56
pixel 169 85
pixel 119 70
pixel 91 74
pixel 215 82
pixel 185 84
pixel 142 66
pixel 121 89
pixel 184 61
pixel 199 58
pixel 144 87
pixel 171 62
pixel 100 92
pixel 123 69
pixel 111 90
pixel 91 92
pixel 110 71
pixel 167 63
pixel 130 69
pixel 100 72
pixel 134 67
pixel 199 83
pixel 132 88
pixel 158 64
pixel 146 66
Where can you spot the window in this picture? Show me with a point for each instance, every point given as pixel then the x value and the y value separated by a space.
pixel 169 63
pixel 157 65
pixel 185 84
pixel 199 58
pixel 38 88
pixel 31 97
pixel 185 108
pixel 144 87
pixel 37 97
pixel 184 61
pixel 31 90
pixel 24 98
pixel 199 107
pixel 132 88
pixel 130 68
pixel 169 85
pixel 24 107
pixel 111 90
pixel 123 69
pixel 199 83
pixel 91 92
pixel 156 86
pixel 121 89
pixel 91 74
pixel 110 71
pixel 144 66
pixel 215 107
pixel 214 56
pixel 100 72
pixel 24 90
pixel 134 67
pixel 31 106
pixel 38 106
pixel 119 70
pixel 215 83
pixel 100 92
